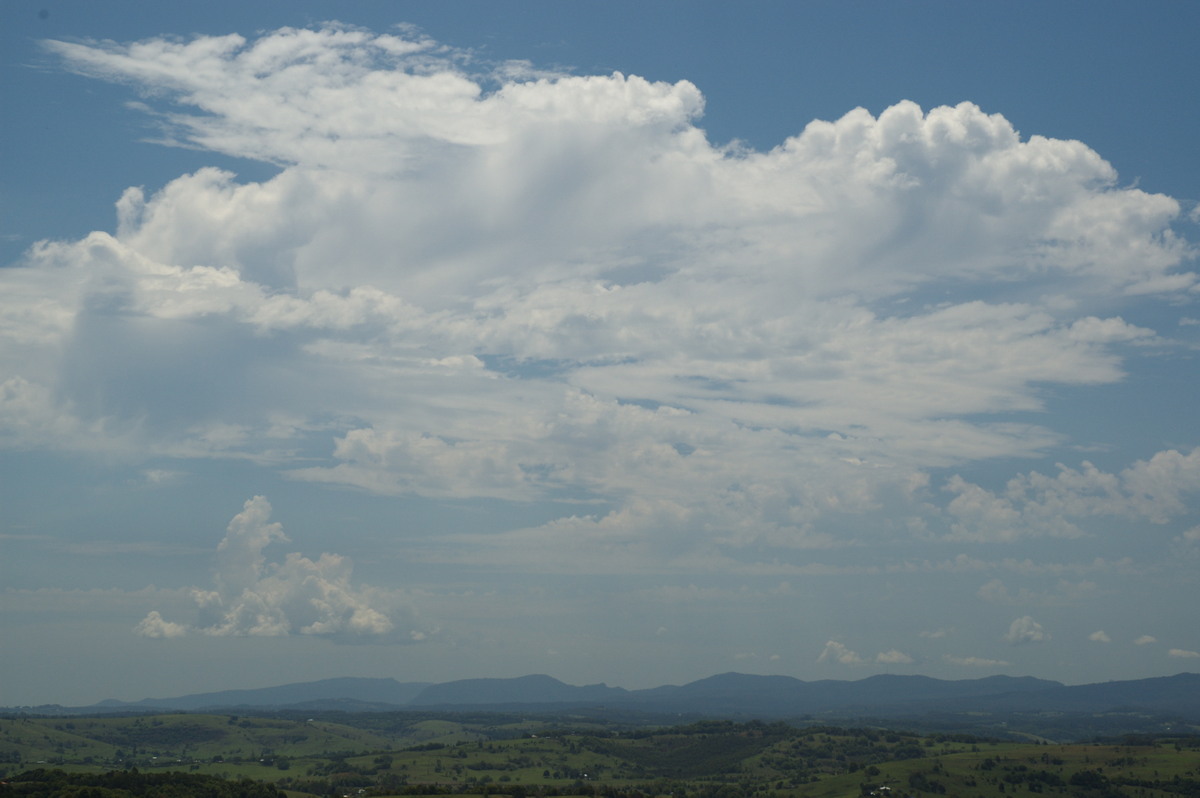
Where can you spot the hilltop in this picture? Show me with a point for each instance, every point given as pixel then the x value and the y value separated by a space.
pixel 993 704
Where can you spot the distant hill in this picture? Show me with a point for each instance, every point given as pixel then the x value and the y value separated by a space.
pixel 370 692
pixel 727 695
pixel 537 689
pixel 1178 695
pixel 780 696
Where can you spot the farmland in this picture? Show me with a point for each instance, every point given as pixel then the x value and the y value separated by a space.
pixel 415 753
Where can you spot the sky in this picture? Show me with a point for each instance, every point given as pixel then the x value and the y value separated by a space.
pixel 624 342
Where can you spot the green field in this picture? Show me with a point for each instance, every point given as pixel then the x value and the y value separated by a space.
pixel 401 753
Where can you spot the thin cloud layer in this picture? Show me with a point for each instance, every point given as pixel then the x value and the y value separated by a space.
pixel 976 662
pixel 839 653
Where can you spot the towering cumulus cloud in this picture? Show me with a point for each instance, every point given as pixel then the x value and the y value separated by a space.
pixel 477 281
pixel 257 598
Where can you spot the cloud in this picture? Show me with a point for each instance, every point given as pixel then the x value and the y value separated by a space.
pixel 1025 630
pixel 1152 490
pixel 1099 636
pixel 1189 541
pixel 893 657
pixel 836 652
pixel 996 592
pixel 254 597
pixel 31 417
pixel 476 281
pixel 1155 490
pixel 1179 652
pixel 975 662
pixel 153 625
pixel 161 476
pixel 107 600
pixel 105 548
pixel 1145 640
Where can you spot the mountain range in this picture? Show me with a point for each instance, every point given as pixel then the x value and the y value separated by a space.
pixel 729 695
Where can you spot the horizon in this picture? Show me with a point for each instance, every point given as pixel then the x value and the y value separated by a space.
pixel 125 702
pixel 628 343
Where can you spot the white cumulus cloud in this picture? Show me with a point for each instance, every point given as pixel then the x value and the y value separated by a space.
pixel 153 625
pixel 481 282
pixel 254 597
pixel 837 652
pixel 1025 630
pixel 1155 490
pixel 893 657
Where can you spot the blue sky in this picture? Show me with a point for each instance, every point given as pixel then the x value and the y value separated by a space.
pixel 623 342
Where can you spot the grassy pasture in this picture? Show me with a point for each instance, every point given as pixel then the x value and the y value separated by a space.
pixel 716 759
pixel 158 739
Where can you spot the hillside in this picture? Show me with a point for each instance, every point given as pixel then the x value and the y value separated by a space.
pixel 520 757
pixel 991 705
pixel 370 692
